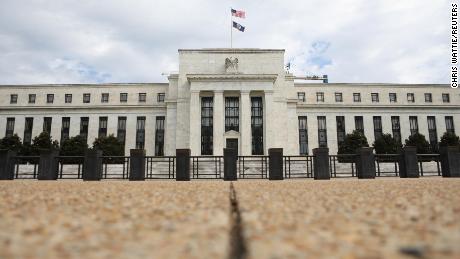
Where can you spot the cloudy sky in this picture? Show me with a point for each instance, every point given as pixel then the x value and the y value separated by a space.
pixel 100 41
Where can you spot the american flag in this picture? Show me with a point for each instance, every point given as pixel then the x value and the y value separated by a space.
pixel 237 13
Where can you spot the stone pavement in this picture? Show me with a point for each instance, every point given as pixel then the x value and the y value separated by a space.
pixel 345 218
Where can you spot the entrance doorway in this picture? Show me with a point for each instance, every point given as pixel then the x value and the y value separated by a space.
pixel 232 143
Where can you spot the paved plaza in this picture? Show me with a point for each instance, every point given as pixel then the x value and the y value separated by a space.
pixel 340 218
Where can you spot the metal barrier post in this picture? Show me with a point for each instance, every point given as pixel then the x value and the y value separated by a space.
pixel 450 161
pixel 230 155
pixel 7 162
pixel 408 164
pixel 275 164
pixel 137 165
pixel 92 166
pixel 321 164
pixel 365 163
pixel 182 164
pixel 48 167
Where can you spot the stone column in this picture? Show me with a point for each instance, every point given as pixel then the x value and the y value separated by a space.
pixel 195 120
pixel 48 166
pixel 92 167
pixel 268 120
pixel 450 161
pixel 365 163
pixel 7 162
pixel 321 163
pixel 245 123
pixel 218 122
pixel 275 164
pixel 230 157
pixel 408 163
pixel 182 164
pixel 137 165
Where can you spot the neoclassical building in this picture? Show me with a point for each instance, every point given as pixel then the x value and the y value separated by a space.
pixel 242 98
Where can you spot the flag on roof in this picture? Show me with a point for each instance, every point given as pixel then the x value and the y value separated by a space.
pixel 238 26
pixel 237 13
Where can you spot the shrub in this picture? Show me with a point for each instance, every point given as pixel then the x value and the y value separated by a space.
pixel 351 144
pixel 43 141
pixel 449 139
pixel 419 141
pixel 11 143
pixel 387 145
pixel 74 146
pixel 110 146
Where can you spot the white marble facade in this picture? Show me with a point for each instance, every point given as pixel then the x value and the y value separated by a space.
pixel 215 73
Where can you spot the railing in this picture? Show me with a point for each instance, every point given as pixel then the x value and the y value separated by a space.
pixel 428 161
pixel 115 167
pixel 70 167
pixel 207 167
pixel 337 162
pixel 160 167
pixel 298 166
pixel 252 167
pixel 26 167
pixel 380 163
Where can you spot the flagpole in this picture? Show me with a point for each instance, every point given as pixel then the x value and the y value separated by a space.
pixel 231 29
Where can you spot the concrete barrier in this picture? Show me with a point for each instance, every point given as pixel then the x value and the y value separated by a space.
pixel 137 165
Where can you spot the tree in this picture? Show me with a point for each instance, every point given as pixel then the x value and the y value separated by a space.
pixel 387 145
pixel 449 139
pixel 351 144
pixel 74 146
pixel 43 141
pixel 11 143
pixel 110 146
pixel 419 141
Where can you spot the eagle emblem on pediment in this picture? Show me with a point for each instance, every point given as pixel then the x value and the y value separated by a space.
pixel 231 65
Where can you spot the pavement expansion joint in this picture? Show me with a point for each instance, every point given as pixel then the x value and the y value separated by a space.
pixel 238 246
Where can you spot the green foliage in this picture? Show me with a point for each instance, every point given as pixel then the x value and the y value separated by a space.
pixel 387 145
pixel 11 143
pixel 43 141
pixel 74 146
pixel 419 141
pixel 110 146
pixel 449 139
pixel 352 143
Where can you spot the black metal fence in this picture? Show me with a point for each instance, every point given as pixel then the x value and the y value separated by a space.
pixel 160 167
pixel 343 165
pixel 252 167
pixel 298 166
pixel 207 167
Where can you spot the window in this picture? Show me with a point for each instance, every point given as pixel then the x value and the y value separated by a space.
pixel 105 98
pixel 161 98
pixel 123 97
pixel 232 114
pixel 393 98
pixel 375 97
pixel 68 98
pixel 322 133
pixel 320 97
pixel 9 127
pixel 140 132
pixel 359 124
pixel 84 122
pixel 413 124
pixel 142 97
pixel 86 98
pixel 450 124
pixel 356 97
pixel 29 124
pixel 13 98
pixel 303 135
pixel 428 98
pixel 65 129
pixel 432 133
pixel 159 136
pixel 377 127
pixel 206 125
pixel 257 126
pixel 301 97
pixel 445 98
pixel 47 124
pixel 32 98
pixel 49 98
pixel 410 97
pixel 121 129
pixel 102 127
pixel 396 128
pixel 340 120
pixel 338 97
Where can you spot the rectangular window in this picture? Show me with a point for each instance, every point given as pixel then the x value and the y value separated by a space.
pixel 65 128
pixel 393 98
pixel 142 97
pixel 206 125
pixel 121 129
pixel 356 97
pixel 375 97
pixel 338 97
pixel 161 98
pixel 68 98
pixel 450 124
pixel 159 136
pixel 320 97
pixel 9 127
pixel 47 121
pixel 413 124
pixel 303 135
pixel 301 96
pixel 84 122
pixel 359 124
pixel 340 120
pixel 123 97
pixel 140 132
pixel 257 126
pixel 410 97
pixel 432 133
pixel 377 127
pixel 232 114
pixel 445 98
pixel 86 98
pixel 396 128
pixel 32 98
pixel 29 124
pixel 428 98
pixel 104 97
pixel 13 98
pixel 322 131
pixel 102 127
pixel 49 98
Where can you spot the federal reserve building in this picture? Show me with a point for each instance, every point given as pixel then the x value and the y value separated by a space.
pixel 240 98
